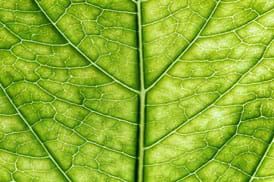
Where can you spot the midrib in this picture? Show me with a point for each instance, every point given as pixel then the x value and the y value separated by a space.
pixel 142 98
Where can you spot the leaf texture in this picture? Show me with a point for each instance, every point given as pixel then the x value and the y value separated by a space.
pixel 125 90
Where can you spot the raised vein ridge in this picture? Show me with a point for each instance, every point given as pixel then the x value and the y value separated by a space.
pixel 54 161
pixel 142 99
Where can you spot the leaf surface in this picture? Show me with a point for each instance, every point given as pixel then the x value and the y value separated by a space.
pixel 125 90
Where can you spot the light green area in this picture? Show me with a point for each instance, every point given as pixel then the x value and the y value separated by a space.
pixel 131 90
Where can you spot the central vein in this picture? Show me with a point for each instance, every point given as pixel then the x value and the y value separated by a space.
pixel 142 98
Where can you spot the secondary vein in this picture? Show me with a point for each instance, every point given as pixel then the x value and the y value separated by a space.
pixel 213 102
pixel 83 54
pixel 260 162
pixel 35 135
pixel 187 48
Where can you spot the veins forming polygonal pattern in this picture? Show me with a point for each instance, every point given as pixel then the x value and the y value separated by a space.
pixel 125 90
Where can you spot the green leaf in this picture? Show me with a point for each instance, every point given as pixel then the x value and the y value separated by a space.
pixel 131 90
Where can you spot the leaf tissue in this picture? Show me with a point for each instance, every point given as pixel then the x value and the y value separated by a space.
pixel 136 90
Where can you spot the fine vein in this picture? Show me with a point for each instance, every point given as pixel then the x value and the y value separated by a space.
pixel 36 135
pixel 262 159
pixel 186 49
pixel 83 54
pixel 212 103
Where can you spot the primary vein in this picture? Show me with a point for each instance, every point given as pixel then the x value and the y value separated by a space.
pixel 141 130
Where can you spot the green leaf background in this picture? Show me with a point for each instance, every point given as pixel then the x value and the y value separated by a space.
pixel 125 90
